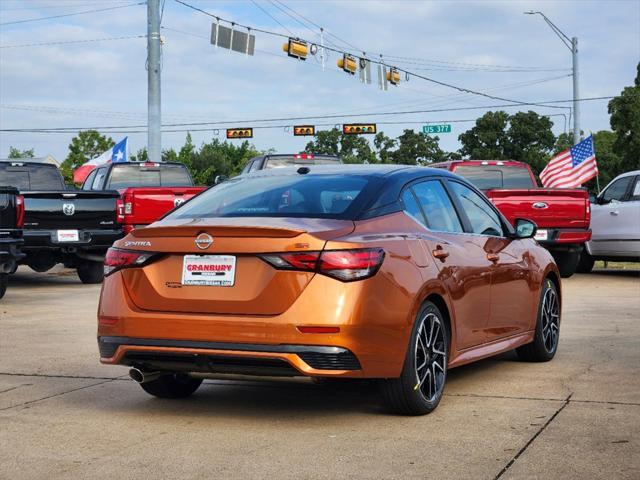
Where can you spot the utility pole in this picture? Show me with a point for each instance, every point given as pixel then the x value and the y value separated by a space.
pixel 571 44
pixel 154 120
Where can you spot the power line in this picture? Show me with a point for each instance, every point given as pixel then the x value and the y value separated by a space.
pixel 72 14
pixel 380 62
pixel 69 42
pixel 312 117
pixel 272 17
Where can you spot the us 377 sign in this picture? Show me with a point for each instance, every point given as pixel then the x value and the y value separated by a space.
pixel 443 128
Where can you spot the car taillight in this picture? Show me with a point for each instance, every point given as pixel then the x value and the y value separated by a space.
pixel 117 259
pixel 19 211
pixel 344 265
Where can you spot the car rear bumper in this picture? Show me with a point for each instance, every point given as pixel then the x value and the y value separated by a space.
pixel 564 236
pixel 368 339
pixel 88 239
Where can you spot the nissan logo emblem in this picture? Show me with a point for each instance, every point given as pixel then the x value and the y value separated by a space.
pixel 204 241
pixel 540 205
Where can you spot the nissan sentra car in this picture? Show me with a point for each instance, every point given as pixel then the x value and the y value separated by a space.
pixel 388 272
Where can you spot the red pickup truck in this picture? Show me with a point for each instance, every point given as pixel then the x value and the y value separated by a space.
pixel 561 214
pixel 147 190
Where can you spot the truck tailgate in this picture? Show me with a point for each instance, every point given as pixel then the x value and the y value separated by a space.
pixel 548 207
pixel 145 205
pixel 70 209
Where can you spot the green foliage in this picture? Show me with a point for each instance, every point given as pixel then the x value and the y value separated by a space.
pixel 524 136
pixel 86 145
pixel 625 122
pixel 417 149
pixel 16 153
pixel 351 148
pixel 212 159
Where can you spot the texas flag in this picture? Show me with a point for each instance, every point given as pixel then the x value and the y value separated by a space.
pixel 117 154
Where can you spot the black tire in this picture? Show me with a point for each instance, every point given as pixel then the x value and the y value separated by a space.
pixel 91 272
pixel 172 385
pixel 4 280
pixel 547 335
pixel 567 262
pixel 409 394
pixel 585 265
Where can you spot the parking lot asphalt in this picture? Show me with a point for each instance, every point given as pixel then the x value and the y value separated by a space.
pixel 63 415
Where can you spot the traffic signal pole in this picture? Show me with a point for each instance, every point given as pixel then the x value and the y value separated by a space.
pixel 154 120
pixel 576 103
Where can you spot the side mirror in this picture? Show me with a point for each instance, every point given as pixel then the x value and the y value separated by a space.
pixel 593 198
pixel 525 228
pixel 220 179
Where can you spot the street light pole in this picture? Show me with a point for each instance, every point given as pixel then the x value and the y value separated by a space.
pixel 154 122
pixel 571 44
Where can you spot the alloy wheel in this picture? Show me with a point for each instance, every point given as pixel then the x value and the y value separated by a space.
pixel 430 357
pixel 550 320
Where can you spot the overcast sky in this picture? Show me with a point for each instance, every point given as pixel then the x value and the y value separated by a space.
pixel 488 46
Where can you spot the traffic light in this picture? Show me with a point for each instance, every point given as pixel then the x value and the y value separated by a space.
pixel 239 132
pixel 393 76
pixel 348 63
pixel 358 128
pixel 304 130
pixel 296 49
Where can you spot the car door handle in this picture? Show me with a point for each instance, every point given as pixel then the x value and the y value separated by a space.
pixel 440 253
pixel 614 212
pixel 493 257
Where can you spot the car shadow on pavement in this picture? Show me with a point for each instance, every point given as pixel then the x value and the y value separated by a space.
pixel 28 278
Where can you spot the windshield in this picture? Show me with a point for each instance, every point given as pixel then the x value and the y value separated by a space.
pixel 139 175
pixel 311 196
pixel 26 177
pixel 287 161
pixel 495 176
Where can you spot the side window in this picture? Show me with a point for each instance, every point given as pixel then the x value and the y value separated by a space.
pixel 635 194
pixel 89 181
pixel 438 209
pixel 255 165
pixel 411 206
pixel 483 218
pixel 98 181
pixel 617 190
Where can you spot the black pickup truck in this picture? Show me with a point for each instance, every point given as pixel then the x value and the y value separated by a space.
pixel 11 213
pixel 72 227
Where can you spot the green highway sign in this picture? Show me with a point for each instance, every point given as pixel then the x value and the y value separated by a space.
pixel 444 128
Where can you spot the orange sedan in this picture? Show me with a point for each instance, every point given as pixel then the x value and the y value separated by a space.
pixel 388 272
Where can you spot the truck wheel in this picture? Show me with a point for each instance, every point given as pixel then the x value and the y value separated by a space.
pixel 567 262
pixel 545 341
pixel 4 280
pixel 585 265
pixel 419 388
pixel 91 272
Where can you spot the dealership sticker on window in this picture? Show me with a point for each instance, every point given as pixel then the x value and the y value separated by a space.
pixel 541 235
pixel 209 270
pixel 67 236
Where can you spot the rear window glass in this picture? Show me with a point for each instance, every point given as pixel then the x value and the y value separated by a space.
pixel 285 161
pixel 31 177
pixel 315 196
pixel 125 176
pixel 495 176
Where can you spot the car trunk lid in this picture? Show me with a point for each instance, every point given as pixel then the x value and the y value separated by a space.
pixel 257 289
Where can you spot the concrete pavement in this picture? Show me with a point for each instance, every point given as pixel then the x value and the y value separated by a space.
pixel 63 415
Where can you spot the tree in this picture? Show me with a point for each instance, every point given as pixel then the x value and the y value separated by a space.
pixel 384 147
pixel 487 139
pixel 625 122
pixel 86 145
pixel 524 136
pixel 417 149
pixel 351 148
pixel 17 153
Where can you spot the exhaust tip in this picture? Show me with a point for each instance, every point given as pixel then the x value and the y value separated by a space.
pixel 136 375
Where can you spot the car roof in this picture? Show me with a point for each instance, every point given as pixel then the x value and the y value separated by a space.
pixel 372 170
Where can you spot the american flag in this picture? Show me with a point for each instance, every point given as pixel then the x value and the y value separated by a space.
pixel 571 168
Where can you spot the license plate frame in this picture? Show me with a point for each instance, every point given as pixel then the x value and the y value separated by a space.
pixel 542 235
pixel 209 270
pixel 67 236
